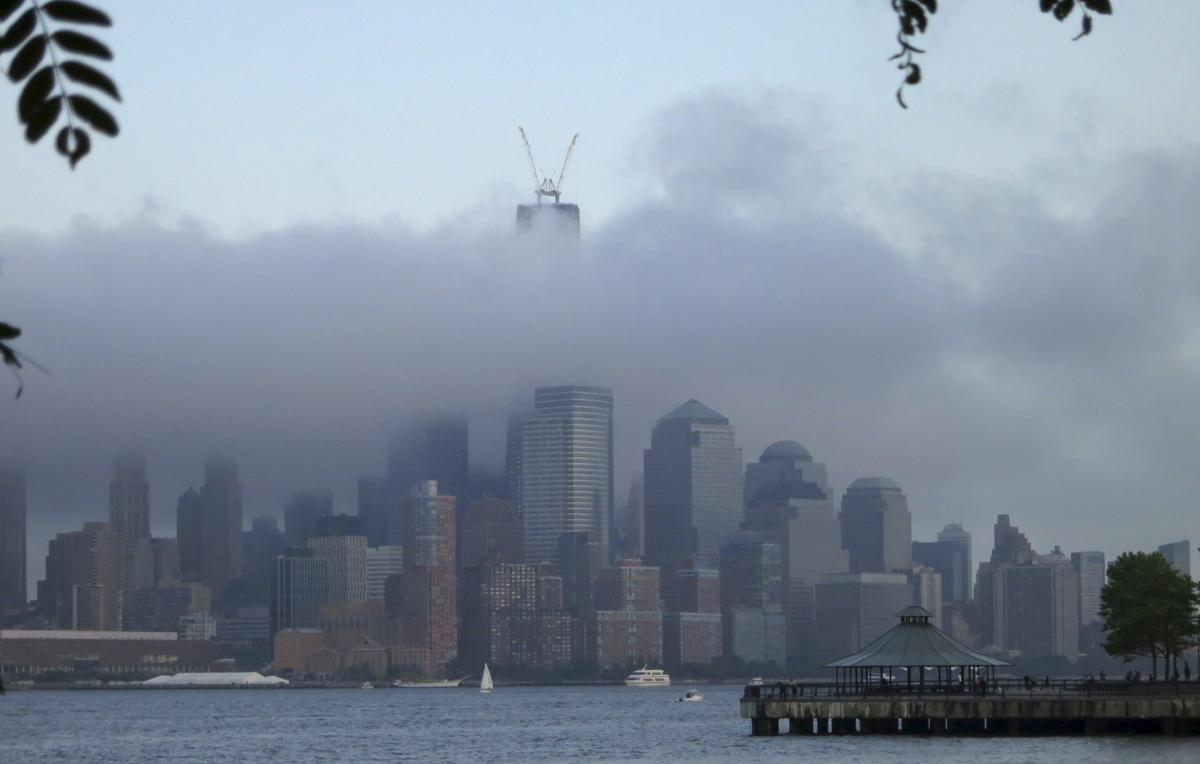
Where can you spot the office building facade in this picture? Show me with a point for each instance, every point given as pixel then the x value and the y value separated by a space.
pixel 339 543
pixel 13 554
pixel 566 464
pixel 693 489
pixel 84 571
pixel 298 588
pixel 429 603
pixel 210 528
pixel 876 526
pixel 789 502
pixel 301 513
pixel 1179 554
pixel 129 497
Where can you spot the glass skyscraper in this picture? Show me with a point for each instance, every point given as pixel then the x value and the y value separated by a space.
pixel 566 465
pixel 693 489
pixel 876 526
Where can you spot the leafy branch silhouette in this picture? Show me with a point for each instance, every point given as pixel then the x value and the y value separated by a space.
pixel 45 30
pixel 912 18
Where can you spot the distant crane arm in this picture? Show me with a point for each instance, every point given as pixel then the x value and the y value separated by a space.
pixel 537 181
pixel 566 159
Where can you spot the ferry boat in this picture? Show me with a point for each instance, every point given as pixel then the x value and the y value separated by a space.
pixel 648 677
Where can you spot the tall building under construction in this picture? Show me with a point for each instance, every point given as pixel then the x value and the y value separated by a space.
pixel 550 216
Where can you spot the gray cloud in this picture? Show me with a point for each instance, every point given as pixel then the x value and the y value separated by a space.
pixel 1012 360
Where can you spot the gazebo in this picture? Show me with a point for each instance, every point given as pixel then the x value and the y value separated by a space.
pixel 918 648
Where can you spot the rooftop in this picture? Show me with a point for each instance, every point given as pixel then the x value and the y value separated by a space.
pixel 874 484
pixel 915 642
pixel 73 634
pixel 785 450
pixel 696 410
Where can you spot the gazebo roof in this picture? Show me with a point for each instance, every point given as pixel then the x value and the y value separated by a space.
pixel 915 642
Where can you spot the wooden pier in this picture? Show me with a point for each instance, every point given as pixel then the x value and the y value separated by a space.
pixel 1059 708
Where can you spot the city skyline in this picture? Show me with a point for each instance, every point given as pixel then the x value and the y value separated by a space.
pixel 788 588
pixel 167 528
pixel 978 295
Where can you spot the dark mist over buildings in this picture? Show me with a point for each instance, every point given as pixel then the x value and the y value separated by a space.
pixel 1031 359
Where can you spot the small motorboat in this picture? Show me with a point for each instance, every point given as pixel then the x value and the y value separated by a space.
pixel 366 686
pixel 691 696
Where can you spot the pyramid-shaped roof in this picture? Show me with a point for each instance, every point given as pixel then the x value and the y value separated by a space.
pixel 915 642
pixel 696 410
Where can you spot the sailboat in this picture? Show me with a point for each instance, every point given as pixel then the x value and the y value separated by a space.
pixel 485 684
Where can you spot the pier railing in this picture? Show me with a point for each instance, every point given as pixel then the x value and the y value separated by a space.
pixel 1005 688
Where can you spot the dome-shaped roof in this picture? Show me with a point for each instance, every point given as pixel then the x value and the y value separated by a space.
pixel 874 484
pixel 785 450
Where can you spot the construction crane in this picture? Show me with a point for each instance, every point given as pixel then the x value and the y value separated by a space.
pixel 543 185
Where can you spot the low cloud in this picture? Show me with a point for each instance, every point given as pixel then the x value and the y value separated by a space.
pixel 1010 360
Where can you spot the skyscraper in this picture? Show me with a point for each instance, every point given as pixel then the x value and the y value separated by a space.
pixel 1009 545
pixel 950 556
pixel 210 528
pixel 1091 572
pixel 1039 608
pixel 692 634
pixel 129 497
pixel 432 449
pixel 338 541
pixel 515 620
pixel 635 519
pixel 693 489
pixel 260 546
pixel 491 532
pixel 752 595
pixel 1179 554
pixel 189 521
pixel 298 586
pixel 876 526
pixel 579 562
pixel 84 568
pixel 383 562
pixel 512 455
pixel 429 606
pixel 957 585
pixel 378 512
pixel 12 541
pixel 627 622
pixel 566 469
pixel 789 502
pixel 854 608
pixel 1027 602
pixel 302 512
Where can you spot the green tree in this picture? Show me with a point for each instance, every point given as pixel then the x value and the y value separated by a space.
pixel 1149 609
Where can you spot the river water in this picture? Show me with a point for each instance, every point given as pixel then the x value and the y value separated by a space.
pixel 511 724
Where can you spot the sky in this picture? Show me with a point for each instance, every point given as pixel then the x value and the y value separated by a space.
pixel 303 235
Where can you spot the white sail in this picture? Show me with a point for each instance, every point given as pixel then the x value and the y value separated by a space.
pixel 485 684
